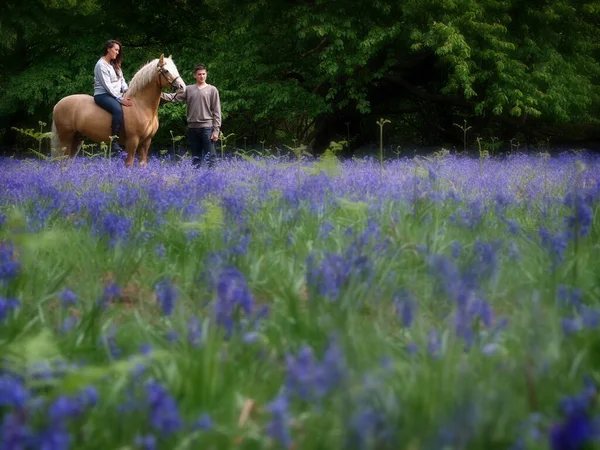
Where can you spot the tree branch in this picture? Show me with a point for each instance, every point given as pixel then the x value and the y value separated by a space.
pixel 312 50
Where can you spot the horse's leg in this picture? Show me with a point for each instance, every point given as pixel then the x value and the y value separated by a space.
pixel 65 142
pixel 76 143
pixel 131 146
pixel 143 151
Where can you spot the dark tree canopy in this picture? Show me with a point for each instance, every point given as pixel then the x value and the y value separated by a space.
pixel 316 70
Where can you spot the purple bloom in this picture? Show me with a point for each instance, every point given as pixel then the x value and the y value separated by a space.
pixel 571 434
pixel 194 332
pixel 12 392
pixel 556 245
pixel 405 306
pixel 9 266
pixel 147 442
pixel 115 226
pixel 110 341
pixel 580 221
pixel 163 411
pixel 233 298
pixel 6 306
pixel 166 294
pixel 310 380
pixel 15 433
pixel 278 427
pixel 577 427
pixel 204 423
pixel 68 297
pixel 111 291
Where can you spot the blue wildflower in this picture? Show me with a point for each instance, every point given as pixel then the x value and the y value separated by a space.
pixel 576 428
pixel 164 414
pixel 166 295
pixel 6 306
pixel 405 307
pixel 146 442
pixel 204 423
pixel 9 265
pixel 194 332
pixel 68 297
pixel 111 291
pixel 12 392
pixel 233 298
pixel 278 426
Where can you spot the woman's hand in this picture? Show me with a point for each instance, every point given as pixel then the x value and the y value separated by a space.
pixel 127 101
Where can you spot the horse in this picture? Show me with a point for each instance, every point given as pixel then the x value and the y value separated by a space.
pixel 77 116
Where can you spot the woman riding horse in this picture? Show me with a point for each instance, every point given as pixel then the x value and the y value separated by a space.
pixel 78 117
pixel 110 85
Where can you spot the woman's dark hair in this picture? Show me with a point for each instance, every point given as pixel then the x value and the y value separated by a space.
pixel 116 63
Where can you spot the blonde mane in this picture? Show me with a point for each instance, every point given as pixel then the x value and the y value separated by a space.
pixel 142 77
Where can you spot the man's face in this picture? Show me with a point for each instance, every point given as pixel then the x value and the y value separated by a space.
pixel 200 75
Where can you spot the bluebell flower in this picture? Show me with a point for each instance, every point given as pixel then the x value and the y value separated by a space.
pixel 145 442
pixel 577 427
pixel 15 433
pixel 233 298
pixel 405 307
pixel 109 340
pixel 6 306
pixel 204 423
pixel 110 292
pixel 278 427
pixel 68 297
pixel 194 332
pixel 556 245
pixel 581 219
pixel 161 250
pixel 166 295
pixel 163 410
pixel 10 267
pixel 12 392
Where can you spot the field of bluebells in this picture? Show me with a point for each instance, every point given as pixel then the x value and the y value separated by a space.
pixel 429 303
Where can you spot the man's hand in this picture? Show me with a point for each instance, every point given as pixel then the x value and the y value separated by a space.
pixel 127 101
pixel 215 136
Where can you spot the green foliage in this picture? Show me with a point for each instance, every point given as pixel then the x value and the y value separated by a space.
pixel 282 68
pixel 328 162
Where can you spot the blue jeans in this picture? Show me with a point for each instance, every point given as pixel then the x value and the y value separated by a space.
pixel 201 146
pixel 112 105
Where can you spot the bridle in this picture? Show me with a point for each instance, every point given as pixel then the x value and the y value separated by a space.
pixel 165 73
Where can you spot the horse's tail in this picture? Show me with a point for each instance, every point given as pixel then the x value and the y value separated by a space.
pixel 54 140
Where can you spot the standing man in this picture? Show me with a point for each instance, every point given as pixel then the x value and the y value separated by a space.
pixel 203 116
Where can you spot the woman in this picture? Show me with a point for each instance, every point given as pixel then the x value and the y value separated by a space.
pixel 110 85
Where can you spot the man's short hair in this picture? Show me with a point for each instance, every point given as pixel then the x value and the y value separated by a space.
pixel 199 67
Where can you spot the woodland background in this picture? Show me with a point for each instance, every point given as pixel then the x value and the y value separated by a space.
pixel 523 73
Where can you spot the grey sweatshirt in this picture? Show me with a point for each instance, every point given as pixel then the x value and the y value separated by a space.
pixel 203 105
pixel 106 80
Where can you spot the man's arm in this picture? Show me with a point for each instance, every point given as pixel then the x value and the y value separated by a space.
pixel 216 112
pixel 174 97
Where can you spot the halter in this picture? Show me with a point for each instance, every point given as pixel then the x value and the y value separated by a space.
pixel 165 73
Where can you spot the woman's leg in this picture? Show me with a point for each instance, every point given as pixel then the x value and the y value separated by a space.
pixel 110 104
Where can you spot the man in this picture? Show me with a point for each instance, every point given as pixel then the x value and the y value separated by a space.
pixel 203 116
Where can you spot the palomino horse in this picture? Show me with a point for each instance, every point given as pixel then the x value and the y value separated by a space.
pixel 76 117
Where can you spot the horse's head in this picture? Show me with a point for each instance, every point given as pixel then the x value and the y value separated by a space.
pixel 168 74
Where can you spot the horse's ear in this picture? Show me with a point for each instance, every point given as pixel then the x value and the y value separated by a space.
pixel 161 61
pixel 170 57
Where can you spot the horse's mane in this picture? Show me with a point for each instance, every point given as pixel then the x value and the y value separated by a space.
pixel 142 77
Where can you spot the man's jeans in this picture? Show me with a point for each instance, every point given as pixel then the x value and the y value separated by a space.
pixel 201 146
